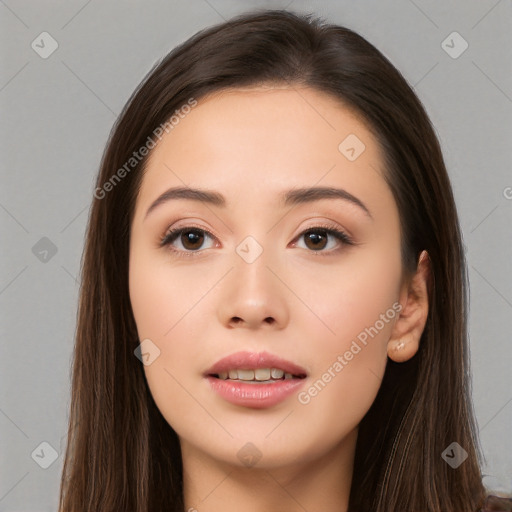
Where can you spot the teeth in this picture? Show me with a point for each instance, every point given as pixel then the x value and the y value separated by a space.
pixel 245 374
pixel 260 374
pixel 276 374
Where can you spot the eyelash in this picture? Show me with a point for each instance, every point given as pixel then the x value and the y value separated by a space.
pixel 170 236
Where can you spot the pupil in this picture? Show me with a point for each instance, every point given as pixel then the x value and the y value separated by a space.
pixel 316 239
pixel 194 238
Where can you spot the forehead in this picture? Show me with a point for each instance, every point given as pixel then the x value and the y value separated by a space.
pixel 253 141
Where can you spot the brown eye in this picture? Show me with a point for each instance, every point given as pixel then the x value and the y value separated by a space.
pixel 316 240
pixel 324 240
pixel 186 240
pixel 192 239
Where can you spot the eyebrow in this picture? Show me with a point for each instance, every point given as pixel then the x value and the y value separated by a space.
pixel 289 198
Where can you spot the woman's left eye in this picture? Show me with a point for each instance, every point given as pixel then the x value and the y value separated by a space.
pixel 190 240
pixel 320 238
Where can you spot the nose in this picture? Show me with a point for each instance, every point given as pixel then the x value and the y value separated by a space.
pixel 253 296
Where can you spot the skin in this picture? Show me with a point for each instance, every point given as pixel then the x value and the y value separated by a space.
pixel 251 145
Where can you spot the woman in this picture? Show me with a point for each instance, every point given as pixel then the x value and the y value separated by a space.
pixel 274 237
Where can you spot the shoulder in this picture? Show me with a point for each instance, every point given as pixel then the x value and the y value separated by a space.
pixel 496 503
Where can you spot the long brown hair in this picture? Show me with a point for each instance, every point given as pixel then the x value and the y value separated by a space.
pixel 121 453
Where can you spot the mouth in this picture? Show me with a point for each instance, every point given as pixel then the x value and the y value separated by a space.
pixel 255 380
pixel 256 367
pixel 257 375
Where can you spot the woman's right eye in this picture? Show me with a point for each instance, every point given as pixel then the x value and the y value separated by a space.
pixel 188 239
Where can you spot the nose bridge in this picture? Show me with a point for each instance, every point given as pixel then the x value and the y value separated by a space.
pixel 253 296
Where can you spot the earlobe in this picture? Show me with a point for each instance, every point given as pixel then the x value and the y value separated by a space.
pixel 402 349
pixel 405 337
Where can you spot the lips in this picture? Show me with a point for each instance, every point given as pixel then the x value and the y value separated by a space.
pixel 255 380
pixel 255 367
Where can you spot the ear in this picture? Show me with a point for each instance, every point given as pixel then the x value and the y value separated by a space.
pixel 414 297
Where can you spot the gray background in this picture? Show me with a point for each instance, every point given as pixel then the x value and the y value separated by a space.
pixel 56 116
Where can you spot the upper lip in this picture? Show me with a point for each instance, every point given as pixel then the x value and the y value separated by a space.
pixel 252 361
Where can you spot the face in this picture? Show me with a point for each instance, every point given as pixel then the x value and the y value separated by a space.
pixel 310 280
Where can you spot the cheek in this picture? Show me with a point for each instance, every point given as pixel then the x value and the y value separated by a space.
pixel 163 295
pixel 354 296
pixel 358 308
pixel 167 303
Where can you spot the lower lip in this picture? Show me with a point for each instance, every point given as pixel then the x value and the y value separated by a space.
pixel 257 396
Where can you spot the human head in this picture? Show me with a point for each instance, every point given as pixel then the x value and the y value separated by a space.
pixel 280 48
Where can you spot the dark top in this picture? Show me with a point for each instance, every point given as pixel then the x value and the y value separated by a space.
pixel 495 503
